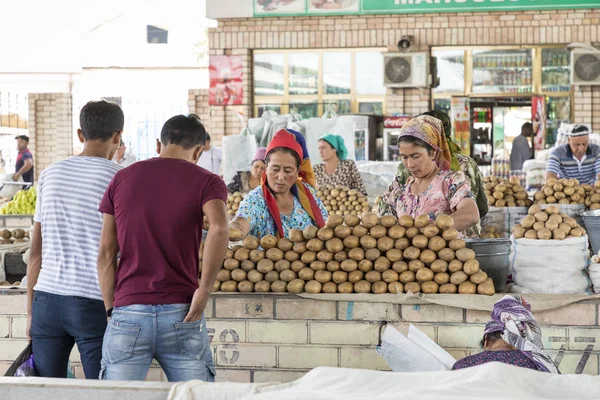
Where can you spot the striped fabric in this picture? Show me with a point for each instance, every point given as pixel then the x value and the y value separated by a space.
pixel 564 165
pixel 69 194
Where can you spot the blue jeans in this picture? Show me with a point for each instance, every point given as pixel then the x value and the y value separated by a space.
pixel 57 323
pixel 138 333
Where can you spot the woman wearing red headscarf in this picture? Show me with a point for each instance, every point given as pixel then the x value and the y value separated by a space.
pixel 286 198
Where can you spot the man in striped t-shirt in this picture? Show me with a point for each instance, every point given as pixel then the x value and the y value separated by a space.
pixel 577 159
pixel 64 302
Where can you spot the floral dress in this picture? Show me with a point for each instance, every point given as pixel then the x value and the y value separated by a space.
pixel 254 209
pixel 445 192
pixel 346 174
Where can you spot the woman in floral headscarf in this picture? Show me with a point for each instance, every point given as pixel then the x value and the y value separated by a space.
pixel 433 188
pixel 512 337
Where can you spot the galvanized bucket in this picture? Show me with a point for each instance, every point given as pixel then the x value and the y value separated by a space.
pixel 493 256
pixel 592 226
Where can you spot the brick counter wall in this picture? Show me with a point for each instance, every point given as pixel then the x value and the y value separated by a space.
pixel 258 338
pixel 241 36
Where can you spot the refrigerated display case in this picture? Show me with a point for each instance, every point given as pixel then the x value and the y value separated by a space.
pixel 502 71
pixel 556 70
pixel 481 135
pixel 391 132
pixel 558 111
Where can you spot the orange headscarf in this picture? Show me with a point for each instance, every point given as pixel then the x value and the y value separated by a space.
pixel 294 141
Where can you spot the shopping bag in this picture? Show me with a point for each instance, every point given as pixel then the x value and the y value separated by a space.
pixel 238 152
pixel 24 364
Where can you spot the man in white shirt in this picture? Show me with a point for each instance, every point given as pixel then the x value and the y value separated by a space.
pixel 123 157
pixel 211 157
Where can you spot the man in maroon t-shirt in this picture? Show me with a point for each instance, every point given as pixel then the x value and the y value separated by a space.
pixel 153 217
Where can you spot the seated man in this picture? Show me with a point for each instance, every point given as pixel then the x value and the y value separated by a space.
pixel 577 159
pixel 512 337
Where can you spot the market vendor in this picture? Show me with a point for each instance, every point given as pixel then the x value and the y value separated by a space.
pixel 458 162
pixel 286 198
pixel 433 187
pixel 577 159
pixel 336 169
pixel 245 181
pixel 513 337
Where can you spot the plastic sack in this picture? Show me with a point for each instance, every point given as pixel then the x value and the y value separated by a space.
pixel 238 152
pixel 8 191
pixel 594 273
pixel 551 266
pixel 499 221
pixel 24 364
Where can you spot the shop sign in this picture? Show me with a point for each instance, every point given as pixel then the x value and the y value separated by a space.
pixel 274 8
pixel 226 80
pixel 395 122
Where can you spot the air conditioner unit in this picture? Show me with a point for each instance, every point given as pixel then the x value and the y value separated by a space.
pixel 585 67
pixel 405 69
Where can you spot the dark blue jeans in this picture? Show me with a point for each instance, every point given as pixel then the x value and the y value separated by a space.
pixel 57 323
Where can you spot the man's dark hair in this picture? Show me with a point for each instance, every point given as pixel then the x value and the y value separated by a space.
pixel 183 131
pixel 100 120
pixel 416 142
pixel 527 128
pixel 207 137
pixel 286 151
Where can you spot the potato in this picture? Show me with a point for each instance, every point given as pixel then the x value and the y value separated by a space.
pixel 234 235
pixel 291 256
pixel 224 275
pixel 400 266
pixel 230 264
pixel 368 242
pixel 422 221
pixel 356 276
pixel 381 264
pixel 424 274
pixel 329 287
pixel 436 244
pixel 318 266
pixel 372 254
pixel 351 220
pixel 465 254
pixel 342 231
pixel 552 210
pixel 349 265
pixel 444 222
pixel 286 275
pixel 486 288
pixel 359 231
pixel 299 248
pixel 471 267
pixel 308 257
pixel 229 286
pixel 412 253
pixel 544 234
pixel 402 244
pixel 268 242
pixel 373 276
pixel 446 255
pixel 313 287
pixel 250 242
pixel 565 227
pixel 430 231
pixel 310 232
pixel 362 286
pixel 216 286
pixel 351 242
pixel 265 266
pixel 324 256
pixel 333 221
pixel 241 254
pixel 365 265
pixel 558 234
pixel 369 220
pixel 458 277
pixel 396 232
pixel 531 234
pixel 393 255
pixel 577 232
pixel 334 245
pixel 538 225
pixel 345 287
pixel 339 277
pixel 325 234
pixel 467 288
pixel 478 277
pixel 412 232
pixel 389 276
pixel 420 242
pixel 448 288
pixel 541 216
pixel 414 265
pixel 254 276
pixel 274 254
pixel 296 266
pixel 412 287
pixel 407 277
pixel 228 254
pixel 441 278
pixel 534 209
pixel 518 231
pixel 406 221
pixel 296 286
pixel 455 265
pixel 439 266
pixel 356 254
pixel 528 222
pixel 285 244
pixel 296 235
pixel 570 221
pixel 450 234
pixel 379 287
pixel 387 221
pixel 427 256
pixel 238 275
pixel 333 266
pixel 273 276
pixel 377 231
pixel 384 244
pixel 429 287
pixel 395 287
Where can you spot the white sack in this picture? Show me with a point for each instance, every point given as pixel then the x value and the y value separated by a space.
pixel 501 220
pixel 238 152
pixel 594 273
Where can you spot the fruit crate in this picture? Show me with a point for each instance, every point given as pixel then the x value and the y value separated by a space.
pixel 14 221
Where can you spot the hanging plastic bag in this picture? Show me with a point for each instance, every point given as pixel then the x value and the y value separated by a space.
pixel 238 152
pixel 24 364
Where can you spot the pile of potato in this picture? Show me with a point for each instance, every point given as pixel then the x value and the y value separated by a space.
pixel 233 203
pixel 548 224
pixel 592 199
pixel 505 193
pixel 16 236
pixel 561 191
pixel 340 200
pixel 360 255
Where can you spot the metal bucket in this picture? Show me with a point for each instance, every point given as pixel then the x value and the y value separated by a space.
pixel 592 226
pixel 493 256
